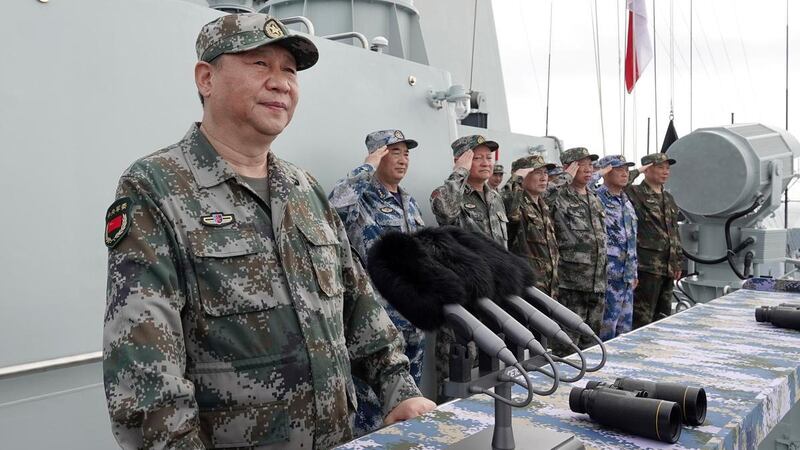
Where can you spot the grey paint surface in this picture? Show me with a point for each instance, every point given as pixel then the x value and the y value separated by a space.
pixel 78 117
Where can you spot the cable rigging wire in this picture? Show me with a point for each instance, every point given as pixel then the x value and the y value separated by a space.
pixel 530 53
pixel 595 39
pixel 671 59
pixel 620 82
pixel 549 54
pixel 472 57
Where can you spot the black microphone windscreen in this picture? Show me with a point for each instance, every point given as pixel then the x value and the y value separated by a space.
pixel 412 281
pixel 475 274
pixel 511 273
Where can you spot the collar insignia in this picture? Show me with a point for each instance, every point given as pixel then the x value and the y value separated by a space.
pixel 470 205
pixel 386 209
pixel 217 219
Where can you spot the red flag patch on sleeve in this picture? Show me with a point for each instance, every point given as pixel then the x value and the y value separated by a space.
pixel 118 221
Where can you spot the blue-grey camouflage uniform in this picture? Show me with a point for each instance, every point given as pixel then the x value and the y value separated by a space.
pixel 621 225
pixel 369 210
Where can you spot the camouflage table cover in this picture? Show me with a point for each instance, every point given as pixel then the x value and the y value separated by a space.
pixel 748 369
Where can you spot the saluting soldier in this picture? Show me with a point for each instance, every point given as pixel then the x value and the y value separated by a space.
pixel 579 217
pixel 497 177
pixel 236 311
pixel 658 242
pixel 465 200
pixel 621 235
pixel 530 227
pixel 371 202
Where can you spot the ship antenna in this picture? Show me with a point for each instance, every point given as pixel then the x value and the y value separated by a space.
pixel 549 53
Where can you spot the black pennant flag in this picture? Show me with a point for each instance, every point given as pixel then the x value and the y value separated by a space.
pixel 670 137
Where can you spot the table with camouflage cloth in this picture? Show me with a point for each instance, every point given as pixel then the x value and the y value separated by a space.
pixel 749 371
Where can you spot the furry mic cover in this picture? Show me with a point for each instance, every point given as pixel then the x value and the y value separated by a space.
pixel 510 273
pixel 475 274
pixel 417 285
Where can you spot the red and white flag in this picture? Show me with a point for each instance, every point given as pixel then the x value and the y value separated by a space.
pixel 639 50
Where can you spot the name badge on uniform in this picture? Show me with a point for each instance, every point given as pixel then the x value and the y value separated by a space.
pixel 386 209
pixel 217 219
pixel 470 205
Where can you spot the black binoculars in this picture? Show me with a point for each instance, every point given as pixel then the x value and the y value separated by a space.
pixel 644 408
pixel 785 315
pixel 632 412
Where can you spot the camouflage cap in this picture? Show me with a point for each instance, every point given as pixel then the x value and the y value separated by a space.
pixel 531 162
pixel 465 143
pixel 576 154
pixel 237 33
pixel 614 161
pixel 378 139
pixel 656 158
pixel 555 171
pixel 498 168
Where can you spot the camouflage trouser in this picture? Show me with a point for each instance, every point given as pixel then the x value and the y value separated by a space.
pixel 369 416
pixel 444 339
pixel 590 306
pixel 652 299
pixel 618 318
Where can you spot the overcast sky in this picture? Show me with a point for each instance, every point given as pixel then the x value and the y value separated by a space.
pixel 739 66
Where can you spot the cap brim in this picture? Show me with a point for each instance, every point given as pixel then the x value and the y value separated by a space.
pixel 627 164
pixel 671 161
pixel 592 157
pixel 302 48
pixel 410 143
pixel 491 144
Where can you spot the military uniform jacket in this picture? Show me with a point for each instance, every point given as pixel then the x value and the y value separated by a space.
pixel 457 203
pixel 531 235
pixel 621 235
pixel 581 233
pixel 659 245
pixel 225 336
pixel 369 210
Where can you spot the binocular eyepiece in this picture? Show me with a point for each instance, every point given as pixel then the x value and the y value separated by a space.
pixel 785 315
pixel 692 400
pixel 632 412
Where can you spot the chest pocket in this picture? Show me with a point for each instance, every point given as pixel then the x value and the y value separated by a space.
pixel 578 218
pixel 475 213
pixel 231 266
pixel 389 223
pixel 323 250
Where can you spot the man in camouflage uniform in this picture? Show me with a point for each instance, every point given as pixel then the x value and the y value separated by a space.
pixel 530 227
pixel 371 202
pixel 658 242
pixel 497 177
pixel 465 200
pixel 235 310
pixel 579 218
pixel 621 248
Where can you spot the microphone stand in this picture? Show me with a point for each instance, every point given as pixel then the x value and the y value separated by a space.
pixel 491 376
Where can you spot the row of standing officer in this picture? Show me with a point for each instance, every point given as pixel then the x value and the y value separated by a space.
pixel 581 242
